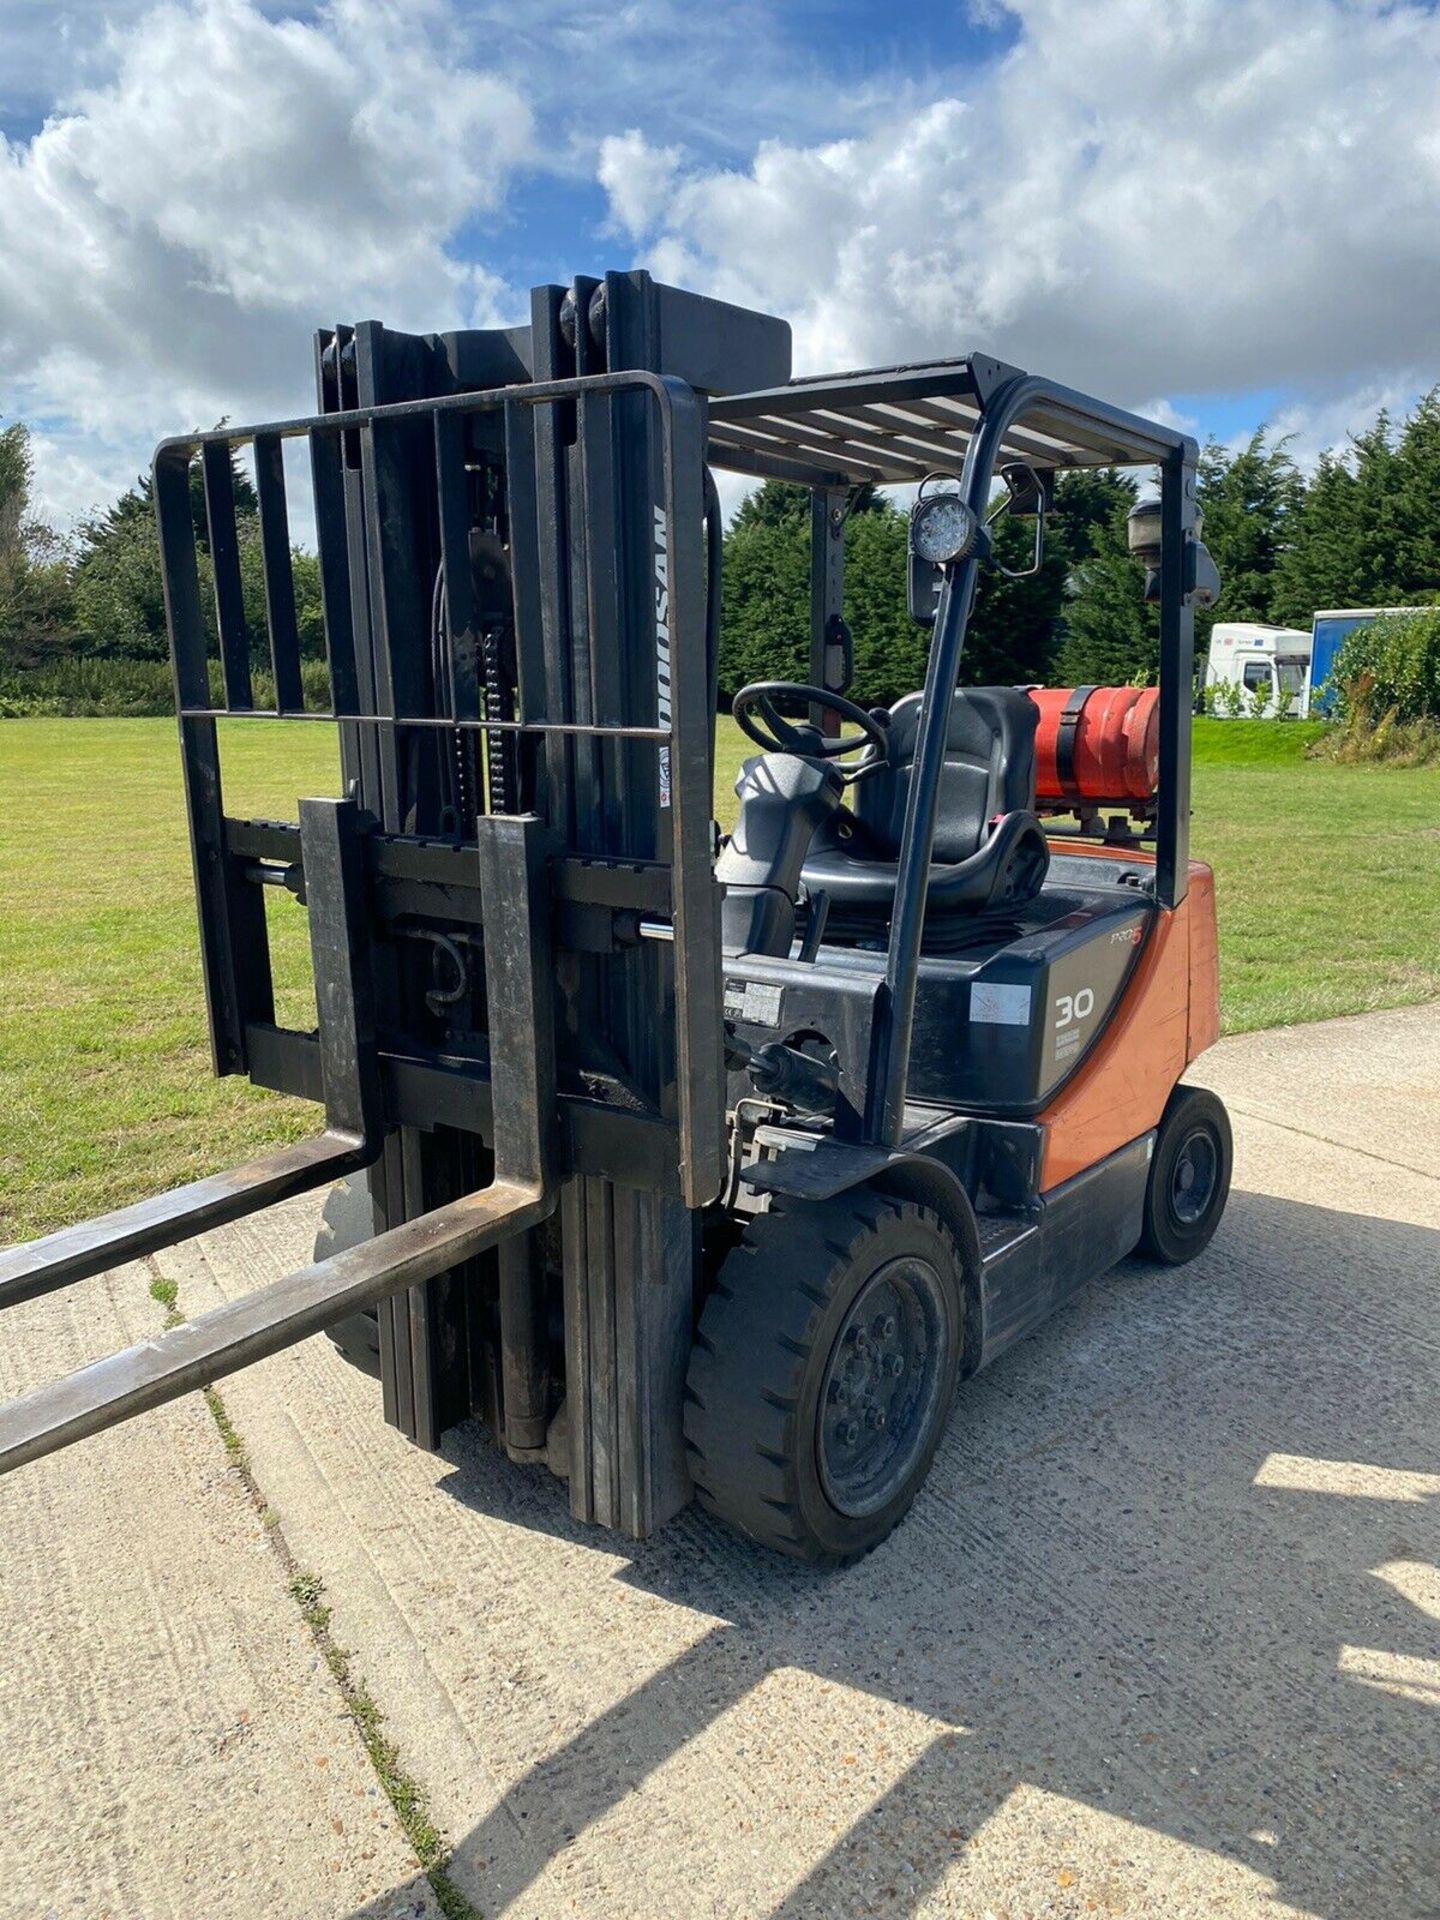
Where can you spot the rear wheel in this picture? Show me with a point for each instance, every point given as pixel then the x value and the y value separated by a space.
pixel 1189 1177
pixel 348 1222
pixel 823 1373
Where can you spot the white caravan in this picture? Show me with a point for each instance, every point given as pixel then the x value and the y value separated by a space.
pixel 1257 672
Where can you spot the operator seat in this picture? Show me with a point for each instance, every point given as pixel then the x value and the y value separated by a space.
pixel 990 851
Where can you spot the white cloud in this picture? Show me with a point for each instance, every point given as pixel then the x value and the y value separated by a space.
pixel 1313 426
pixel 714 78
pixel 168 241
pixel 638 179
pixel 1210 196
pixel 49 43
pixel 1169 415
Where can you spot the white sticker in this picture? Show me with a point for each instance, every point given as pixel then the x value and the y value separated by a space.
pixel 994 1005
pixel 753 1003
pixel 762 1005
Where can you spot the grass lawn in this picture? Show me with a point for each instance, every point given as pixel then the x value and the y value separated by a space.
pixel 1329 888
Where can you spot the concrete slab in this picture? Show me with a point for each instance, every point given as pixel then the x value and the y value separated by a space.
pixel 1371 1083
pixel 1161 1636
pixel 172 1743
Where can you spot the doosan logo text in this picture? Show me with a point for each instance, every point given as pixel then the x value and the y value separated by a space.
pixel 662 645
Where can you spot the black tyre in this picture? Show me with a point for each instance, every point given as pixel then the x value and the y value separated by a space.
pixel 1189 1177
pixel 823 1373
pixel 347 1222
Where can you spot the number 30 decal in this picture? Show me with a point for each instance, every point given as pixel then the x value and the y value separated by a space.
pixel 1074 1006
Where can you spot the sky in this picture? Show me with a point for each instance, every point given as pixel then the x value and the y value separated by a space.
pixel 1224 212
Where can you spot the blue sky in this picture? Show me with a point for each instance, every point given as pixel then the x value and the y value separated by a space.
pixel 838 59
pixel 1223 210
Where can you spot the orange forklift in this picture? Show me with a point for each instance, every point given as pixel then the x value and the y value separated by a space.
pixel 687 1175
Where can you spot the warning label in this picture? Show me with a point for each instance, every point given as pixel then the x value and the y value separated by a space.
pixel 753 1003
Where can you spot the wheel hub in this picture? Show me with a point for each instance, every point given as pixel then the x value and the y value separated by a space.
pixel 882 1386
pixel 1192 1184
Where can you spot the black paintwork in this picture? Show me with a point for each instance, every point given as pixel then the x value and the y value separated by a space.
pixel 992 1032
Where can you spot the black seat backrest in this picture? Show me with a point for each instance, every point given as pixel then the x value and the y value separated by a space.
pixel 989 769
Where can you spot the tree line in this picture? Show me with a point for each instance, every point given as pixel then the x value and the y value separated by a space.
pixel 1362 530
pixel 98 595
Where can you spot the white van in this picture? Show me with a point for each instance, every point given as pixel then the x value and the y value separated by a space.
pixel 1270 667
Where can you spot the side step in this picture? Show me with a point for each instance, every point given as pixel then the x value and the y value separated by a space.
pixel 201 1351
pixel 1003 1229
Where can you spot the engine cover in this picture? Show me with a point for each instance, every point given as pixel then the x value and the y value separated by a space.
pixel 1005 1035
pixel 996 1030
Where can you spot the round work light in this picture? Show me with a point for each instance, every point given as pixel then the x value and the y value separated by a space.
pixel 942 529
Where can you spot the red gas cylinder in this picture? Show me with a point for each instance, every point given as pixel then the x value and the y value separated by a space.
pixel 1099 745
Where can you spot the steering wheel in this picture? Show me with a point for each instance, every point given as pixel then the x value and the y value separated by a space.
pixel 755 715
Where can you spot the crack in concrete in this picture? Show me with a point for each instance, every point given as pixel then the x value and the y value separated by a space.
pixel 407 1797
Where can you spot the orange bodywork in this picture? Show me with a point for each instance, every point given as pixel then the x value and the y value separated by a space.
pixel 1168 1013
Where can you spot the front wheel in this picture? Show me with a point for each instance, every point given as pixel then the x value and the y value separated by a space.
pixel 823 1373
pixel 1189 1177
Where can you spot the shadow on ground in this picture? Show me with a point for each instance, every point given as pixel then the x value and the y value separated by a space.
pixel 1176 1564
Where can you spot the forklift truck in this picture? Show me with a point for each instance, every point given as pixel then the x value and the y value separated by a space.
pixel 688 1176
